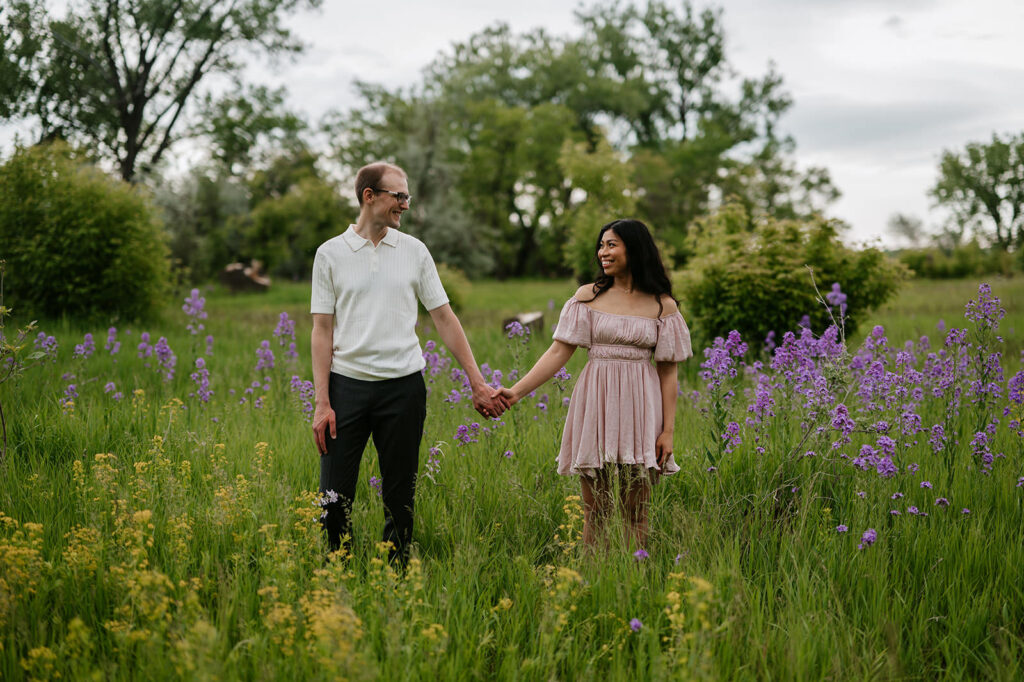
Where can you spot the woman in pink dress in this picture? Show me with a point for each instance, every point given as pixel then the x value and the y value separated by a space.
pixel 621 417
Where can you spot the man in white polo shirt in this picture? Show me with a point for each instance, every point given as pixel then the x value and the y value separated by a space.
pixel 367 360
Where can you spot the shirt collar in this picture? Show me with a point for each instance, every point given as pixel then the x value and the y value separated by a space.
pixel 356 242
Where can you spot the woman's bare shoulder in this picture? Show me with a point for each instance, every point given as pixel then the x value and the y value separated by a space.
pixel 668 306
pixel 585 292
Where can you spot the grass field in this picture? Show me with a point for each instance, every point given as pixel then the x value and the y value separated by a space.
pixel 146 534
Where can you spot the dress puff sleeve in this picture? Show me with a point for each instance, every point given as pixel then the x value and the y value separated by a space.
pixel 673 340
pixel 574 324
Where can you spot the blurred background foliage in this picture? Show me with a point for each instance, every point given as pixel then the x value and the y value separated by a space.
pixel 519 146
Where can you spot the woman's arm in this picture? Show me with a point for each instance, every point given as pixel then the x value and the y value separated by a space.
pixel 669 381
pixel 554 358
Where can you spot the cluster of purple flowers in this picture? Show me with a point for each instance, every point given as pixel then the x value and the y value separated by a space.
pixel 193 307
pixel 837 299
pixel 201 377
pixel 285 334
pixel 515 330
pixel 467 433
pixel 880 401
pixel 868 538
pixel 46 344
pixel 111 388
pixel 306 392
pixel 85 349
pixel 723 357
pixel 264 356
pixel 433 466
pixel 112 346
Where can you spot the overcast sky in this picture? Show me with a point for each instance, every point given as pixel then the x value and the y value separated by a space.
pixel 880 87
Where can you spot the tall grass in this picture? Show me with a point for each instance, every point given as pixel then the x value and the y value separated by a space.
pixel 157 537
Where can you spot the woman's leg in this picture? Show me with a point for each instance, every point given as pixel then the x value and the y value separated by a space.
pixel 597 505
pixel 635 492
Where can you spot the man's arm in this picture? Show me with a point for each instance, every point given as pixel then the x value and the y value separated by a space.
pixel 322 350
pixel 485 399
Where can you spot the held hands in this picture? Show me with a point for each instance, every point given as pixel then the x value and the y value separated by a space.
pixel 323 421
pixel 509 395
pixel 489 402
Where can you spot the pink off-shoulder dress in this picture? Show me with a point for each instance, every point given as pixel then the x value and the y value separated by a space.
pixel 615 414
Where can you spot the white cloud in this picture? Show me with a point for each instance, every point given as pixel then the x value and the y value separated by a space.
pixel 880 87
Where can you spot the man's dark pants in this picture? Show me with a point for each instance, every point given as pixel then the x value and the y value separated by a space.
pixel 392 411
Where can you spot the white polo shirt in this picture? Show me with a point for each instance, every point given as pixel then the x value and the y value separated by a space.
pixel 372 293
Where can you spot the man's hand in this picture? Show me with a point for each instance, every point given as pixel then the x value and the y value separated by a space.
pixel 488 401
pixel 323 420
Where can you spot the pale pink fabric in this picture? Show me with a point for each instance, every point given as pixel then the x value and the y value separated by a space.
pixel 615 409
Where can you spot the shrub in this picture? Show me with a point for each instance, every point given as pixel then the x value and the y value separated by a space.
pixel 969 260
pixel 456 285
pixel 78 242
pixel 284 232
pixel 758 281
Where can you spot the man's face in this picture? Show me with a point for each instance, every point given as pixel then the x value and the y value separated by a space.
pixel 386 208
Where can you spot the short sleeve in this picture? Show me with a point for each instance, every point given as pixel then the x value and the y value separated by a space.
pixel 429 289
pixel 673 340
pixel 323 298
pixel 574 324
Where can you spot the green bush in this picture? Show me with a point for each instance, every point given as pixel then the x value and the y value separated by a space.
pixel 758 281
pixel 77 241
pixel 969 260
pixel 455 284
pixel 202 216
pixel 284 232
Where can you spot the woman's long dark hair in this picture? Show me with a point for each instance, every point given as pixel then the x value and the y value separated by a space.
pixel 645 263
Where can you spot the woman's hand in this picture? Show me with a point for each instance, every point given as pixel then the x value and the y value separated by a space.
pixel 663 447
pixel 509 395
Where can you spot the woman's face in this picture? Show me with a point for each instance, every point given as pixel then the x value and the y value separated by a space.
pixel 611 253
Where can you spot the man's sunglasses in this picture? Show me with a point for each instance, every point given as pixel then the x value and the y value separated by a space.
pixel 402 197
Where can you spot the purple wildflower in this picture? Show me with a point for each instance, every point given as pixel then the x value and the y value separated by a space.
pixel 194 309
pixel 842 528
pixel 635 625
pixel 641 554
pixel 113 346
pixel 201 377
pixel 515 330
pixel 85 349
pixel 868 538
pixel 837 299
pixel 165 358
pixel 985 312
pixel 46 344
pixel 265 356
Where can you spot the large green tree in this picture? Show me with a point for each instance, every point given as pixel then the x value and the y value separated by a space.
pixel 486 126
pixel 19 49
pixel 983 186
pixel 119 76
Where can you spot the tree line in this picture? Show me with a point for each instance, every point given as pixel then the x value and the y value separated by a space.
pixel 518 145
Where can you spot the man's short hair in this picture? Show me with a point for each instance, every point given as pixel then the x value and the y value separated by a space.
pixel 370 175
